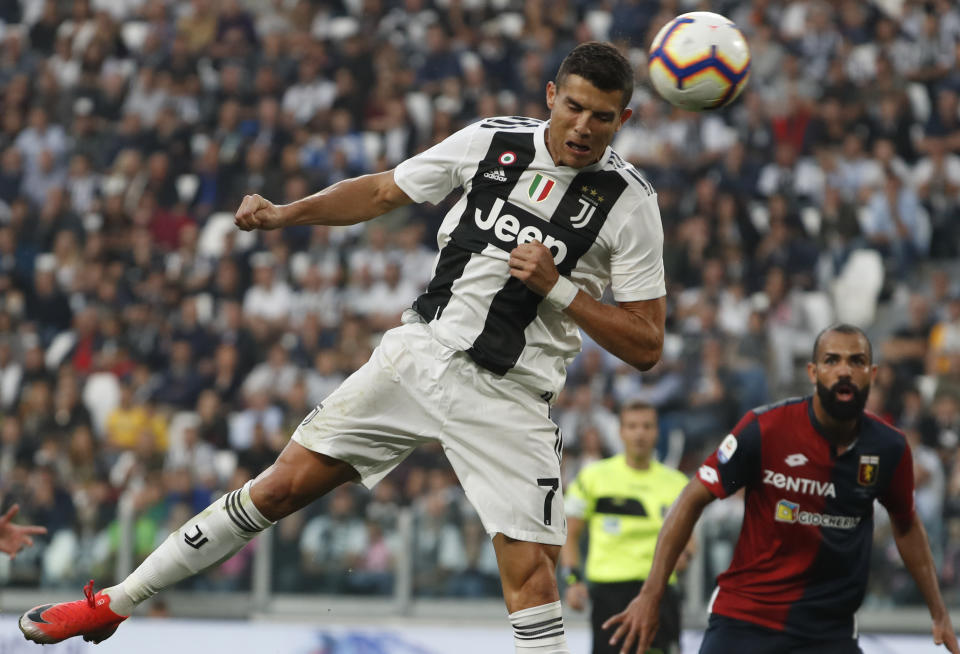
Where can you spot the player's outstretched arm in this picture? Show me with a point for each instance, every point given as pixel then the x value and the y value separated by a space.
pixel 637 624
pixel 633 331
pixel 345 203
pixel 13 537
pixel 911 539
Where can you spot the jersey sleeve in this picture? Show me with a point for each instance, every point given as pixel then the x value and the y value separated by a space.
pixel 898 496
pixel 736 462
pixel 576 499
pixel 636 262
pixel 431 175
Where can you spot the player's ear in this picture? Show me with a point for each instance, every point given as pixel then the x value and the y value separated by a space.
pixel 551 94
pixel 873 373
pixel 812 372
pixel 625 116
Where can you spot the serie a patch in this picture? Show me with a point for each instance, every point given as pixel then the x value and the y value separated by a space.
pixel 727 448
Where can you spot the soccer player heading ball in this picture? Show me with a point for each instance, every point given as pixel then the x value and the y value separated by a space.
pixel 812 468
pixel 550 216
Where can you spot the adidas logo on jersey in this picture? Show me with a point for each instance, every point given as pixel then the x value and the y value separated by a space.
pixel 496 175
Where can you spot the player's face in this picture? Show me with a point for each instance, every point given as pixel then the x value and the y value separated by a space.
pixel 842 373
pixel 583 120
pixel 638 431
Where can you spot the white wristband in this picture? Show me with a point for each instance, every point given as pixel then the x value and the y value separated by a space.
pixel 562 294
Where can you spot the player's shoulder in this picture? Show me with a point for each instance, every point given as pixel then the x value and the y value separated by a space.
pixel 601 469
pixel 668 474
pixel 512 123
pixel 637 183
pixel 879 430
pixel 759 420
pixel 779 408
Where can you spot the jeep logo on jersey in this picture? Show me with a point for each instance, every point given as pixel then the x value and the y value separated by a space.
pixel 508 229
pixel 799 484
pixel 869 466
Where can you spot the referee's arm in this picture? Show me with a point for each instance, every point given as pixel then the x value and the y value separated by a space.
pixel 570 571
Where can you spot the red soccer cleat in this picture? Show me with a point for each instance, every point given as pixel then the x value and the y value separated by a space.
pixel 90 618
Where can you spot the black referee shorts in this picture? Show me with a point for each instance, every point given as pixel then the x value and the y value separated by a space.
pixel 609 599
pixel 725 635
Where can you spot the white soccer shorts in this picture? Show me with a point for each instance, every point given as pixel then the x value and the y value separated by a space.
pixel 496 433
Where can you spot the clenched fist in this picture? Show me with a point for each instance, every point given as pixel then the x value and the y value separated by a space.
pixel 256 212
pixel 533 265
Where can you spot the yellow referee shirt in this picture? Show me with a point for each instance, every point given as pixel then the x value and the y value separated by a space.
pixel 624 509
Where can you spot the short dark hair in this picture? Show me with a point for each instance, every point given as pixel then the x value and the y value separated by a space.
pixel 602 65
pixel 636 405
pixel 842 328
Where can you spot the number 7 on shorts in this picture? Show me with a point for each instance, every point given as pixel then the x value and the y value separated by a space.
pixel 553 483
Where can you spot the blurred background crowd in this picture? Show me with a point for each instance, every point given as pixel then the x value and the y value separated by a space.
pixel 153 354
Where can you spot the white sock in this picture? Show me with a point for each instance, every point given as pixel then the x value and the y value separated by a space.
pixel 217 533
pixel 539 630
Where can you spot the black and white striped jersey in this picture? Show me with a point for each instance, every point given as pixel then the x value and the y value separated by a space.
pixel 601 223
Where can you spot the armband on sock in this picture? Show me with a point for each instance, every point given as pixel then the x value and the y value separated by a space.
pixel 562 294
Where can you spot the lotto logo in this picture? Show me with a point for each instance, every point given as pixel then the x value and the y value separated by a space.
pixel 709 475
pixel 795 460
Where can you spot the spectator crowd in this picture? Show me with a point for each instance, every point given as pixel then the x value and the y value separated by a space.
pixel 151 353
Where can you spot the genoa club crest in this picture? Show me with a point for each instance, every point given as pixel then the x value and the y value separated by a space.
pixel 869 468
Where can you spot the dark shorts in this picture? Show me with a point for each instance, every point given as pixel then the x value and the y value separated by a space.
pixel 725 635
pixel 609 599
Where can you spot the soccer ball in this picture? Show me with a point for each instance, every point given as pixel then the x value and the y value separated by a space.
pixel 699 61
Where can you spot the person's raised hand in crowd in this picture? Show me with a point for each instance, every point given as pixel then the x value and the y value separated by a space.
pixel 13 537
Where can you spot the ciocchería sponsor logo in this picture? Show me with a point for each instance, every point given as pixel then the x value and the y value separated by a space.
pixel 799 484
pixel 791 512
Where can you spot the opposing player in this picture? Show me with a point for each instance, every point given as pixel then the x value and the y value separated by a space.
pixel 812 468
pixel 622 500
pixel 549 216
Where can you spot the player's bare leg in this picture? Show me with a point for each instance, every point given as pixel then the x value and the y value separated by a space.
pixel 528 576
pixel 296 478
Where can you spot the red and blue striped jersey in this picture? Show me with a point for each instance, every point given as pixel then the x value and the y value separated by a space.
pixel 802 559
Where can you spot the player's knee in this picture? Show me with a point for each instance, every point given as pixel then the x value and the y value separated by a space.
pixel 272 493
pixel 279 491
pixel 294 481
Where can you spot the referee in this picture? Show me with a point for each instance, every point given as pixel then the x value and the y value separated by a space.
pixel 623 499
